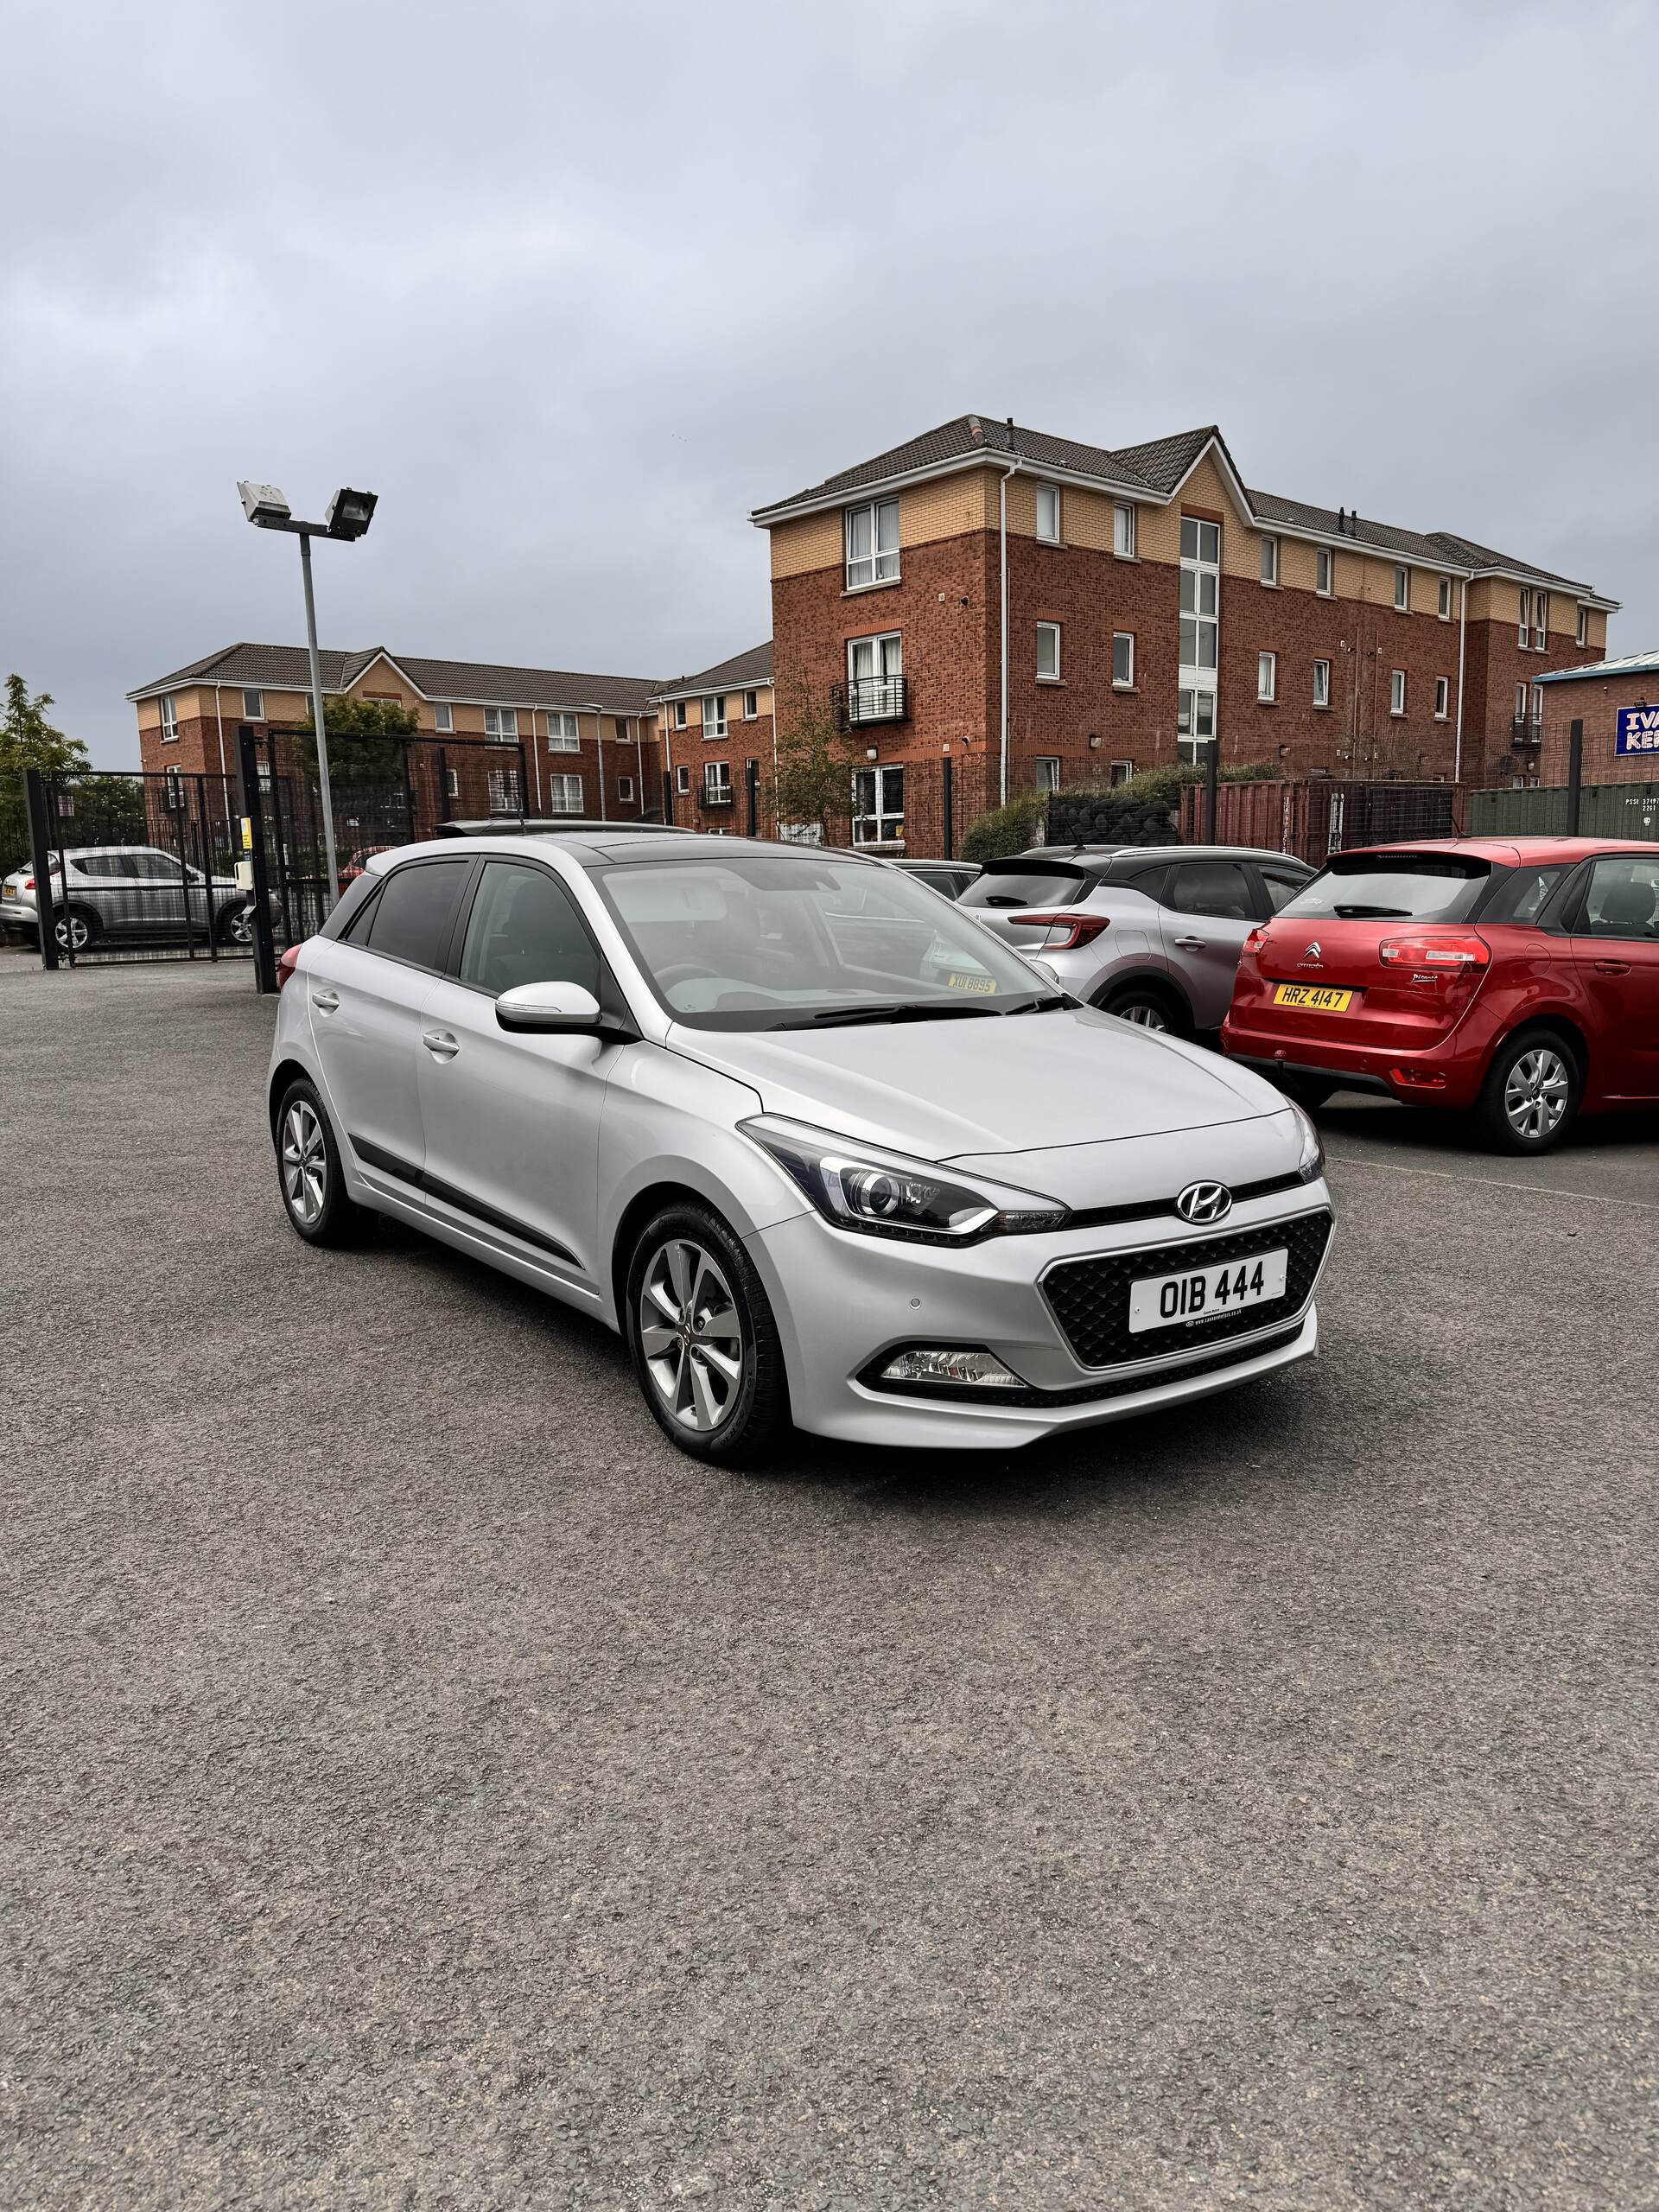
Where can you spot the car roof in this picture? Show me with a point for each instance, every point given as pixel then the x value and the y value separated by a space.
pixel 600 847
pixel 560 825
pixel 1120 860
pixel 1510 852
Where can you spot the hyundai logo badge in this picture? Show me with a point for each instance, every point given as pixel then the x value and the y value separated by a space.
pixel 1204 1202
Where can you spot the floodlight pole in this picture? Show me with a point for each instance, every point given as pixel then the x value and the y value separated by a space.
pixel 324 791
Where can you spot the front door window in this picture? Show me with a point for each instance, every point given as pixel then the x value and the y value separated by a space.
pixel 1195 720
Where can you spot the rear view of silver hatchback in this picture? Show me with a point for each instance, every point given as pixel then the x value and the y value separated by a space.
pixel 1152 933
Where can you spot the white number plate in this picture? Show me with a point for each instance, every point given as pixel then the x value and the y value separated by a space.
pixel 1207 1293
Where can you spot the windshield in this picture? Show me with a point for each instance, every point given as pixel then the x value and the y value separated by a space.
pixel 1024 883
pixel 1391 887
pixel 762 941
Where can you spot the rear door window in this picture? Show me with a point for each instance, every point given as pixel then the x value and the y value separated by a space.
pixel 1522 893
pixel 1220 888
pixel 1026 883
pixel 1282 884
pixel 416 910
pixel 1392 886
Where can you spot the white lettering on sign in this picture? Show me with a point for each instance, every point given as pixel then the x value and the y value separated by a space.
pixel 1638 730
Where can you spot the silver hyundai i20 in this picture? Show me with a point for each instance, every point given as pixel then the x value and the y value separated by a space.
pixel 846 1162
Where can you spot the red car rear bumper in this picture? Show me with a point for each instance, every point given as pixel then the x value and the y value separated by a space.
pixel 1448 1073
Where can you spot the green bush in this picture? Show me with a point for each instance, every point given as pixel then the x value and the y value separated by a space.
pixel 1007 830
pixel 1117 817
pixel 1163 784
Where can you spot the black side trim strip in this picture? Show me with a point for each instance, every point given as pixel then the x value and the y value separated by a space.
pixel 375 1155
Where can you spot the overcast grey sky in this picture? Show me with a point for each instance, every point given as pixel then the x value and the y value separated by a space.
pixel 574 289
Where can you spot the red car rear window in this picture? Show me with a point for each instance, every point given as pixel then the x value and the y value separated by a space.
pixel 1391 887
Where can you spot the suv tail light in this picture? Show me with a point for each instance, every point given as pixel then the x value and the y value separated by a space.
pixel 1073 930
pixel 1254 943
pixel 29 883
pixel 1447 953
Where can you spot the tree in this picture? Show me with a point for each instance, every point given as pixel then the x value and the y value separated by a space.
pixel 813 779
pixel 365 741
pixel 28 740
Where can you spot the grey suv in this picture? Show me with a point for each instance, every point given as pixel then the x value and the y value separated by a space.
pixel 1152 933
pixel 127 891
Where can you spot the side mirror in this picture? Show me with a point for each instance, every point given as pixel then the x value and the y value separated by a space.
pixel 557 1010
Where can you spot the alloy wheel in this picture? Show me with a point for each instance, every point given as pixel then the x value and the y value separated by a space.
pixel 305 1163
pixel 690 1335
pixel 73 933
pixel 1144 1015
pixel 240 930
pixel 1536 1093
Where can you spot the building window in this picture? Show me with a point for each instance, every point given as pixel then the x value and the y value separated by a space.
pixel 872 543
pixel 679 713
pixel 1122 661
pixel 1523 635
pixel 716 783
pixel 505 795
pixel 876 669
pixel 1200 593
pixel 750 706
pixel 1520 702
pixel 169 707
pixel 172 793
pixel 1537 704
pixel 1442 697
pixel 1195 723
pixel 1120 772
pixel 563 732
pixel 682 780
pixel 1048 775
pixel 1397 692
pixel 625 790
pixel 1445 599
pixel 1402 590
pixel 443 715
pixel 1048 513
pixel 878 806
pixel 501 723
pixel 564 794
pixel 713 715
pixel 452 783
pixel 1048 653
pixel 1269 559
pixel 1321 682
pixel 1540 621
pixel 1266 676
pixel 1123 531
pixel 1581 633
pixel 1325 571
pixel 253 706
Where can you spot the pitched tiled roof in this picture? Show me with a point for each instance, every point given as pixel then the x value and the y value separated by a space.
pixel 1161 465
pixel 738 674
pixel 287 668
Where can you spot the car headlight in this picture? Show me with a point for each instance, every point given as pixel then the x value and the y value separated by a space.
pixel 883 1194
pixel 1311 1165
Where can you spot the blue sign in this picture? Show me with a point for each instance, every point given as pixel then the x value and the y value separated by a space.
pixel 1638 730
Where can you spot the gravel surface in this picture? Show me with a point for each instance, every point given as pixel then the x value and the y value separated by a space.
pixel 424 1788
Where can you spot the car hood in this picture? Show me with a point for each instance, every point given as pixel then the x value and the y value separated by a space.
pixel 1014 1083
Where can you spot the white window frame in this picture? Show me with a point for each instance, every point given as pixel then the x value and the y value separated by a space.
pixel 717 783
pixel 1396 692
pixel 1047 768
pixel 1123 529
pixel 452 783
pixel 1536 703
pixel 1325 571
pixel 506 731
pixel 1201 568
pixel 682 780
pixel 256 711
pixel 1051 630
pixel 712 708
pixel 1523 635
pixel 1119 771
pixel 563 730
pixel 750 706
pixel 1442 698
pixel 1122 638
pixel 1520 702
pixel 1581 628
pixel 625 790
pixel 1401 590
pixel 1267 678
pixel 503 786
pixel 1445 599
pixel 679 713
pixel 168 706
pixel 881 561
pixel 1048 495
pixel 443 715
pixel 1322 684
pixel 1270 562
pixel 1541 622
pixel 1190 745
pixel 565 794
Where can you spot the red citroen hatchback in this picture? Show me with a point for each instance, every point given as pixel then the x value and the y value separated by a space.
pixel 1515 977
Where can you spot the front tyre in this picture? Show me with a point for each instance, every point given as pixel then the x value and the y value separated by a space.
pixel 1530 1097
pixel 704 1344
pixel 1147 1007
pixel 314 1196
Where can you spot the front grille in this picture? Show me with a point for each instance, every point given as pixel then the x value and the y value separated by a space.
pixel 1089 1299
pixel 1150 1208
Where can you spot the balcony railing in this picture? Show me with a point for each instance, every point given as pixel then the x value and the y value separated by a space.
pixel 871 699
pixel 717 795
pixel 1527 730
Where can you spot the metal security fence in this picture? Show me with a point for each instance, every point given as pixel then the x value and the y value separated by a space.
pixel 1321 816
pixel 127 866
pixel 1604 810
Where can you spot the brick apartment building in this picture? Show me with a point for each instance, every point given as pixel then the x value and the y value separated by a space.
pixel 1594 695
pixel 1040 612
pixel 589 743
pixel 709 726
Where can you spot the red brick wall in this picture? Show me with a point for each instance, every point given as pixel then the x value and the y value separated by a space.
pixel 1496 663
pixel 1596 701
pixel 744 741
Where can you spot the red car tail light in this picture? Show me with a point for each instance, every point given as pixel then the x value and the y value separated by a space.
pixel 1447 953
pixel 1075 929
pixel 1254 943
pixel 286 963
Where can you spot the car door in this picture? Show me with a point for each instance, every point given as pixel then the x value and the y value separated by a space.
pixel 511 1122
pixel 1614 936
pixel 1207 911
pixel 368 990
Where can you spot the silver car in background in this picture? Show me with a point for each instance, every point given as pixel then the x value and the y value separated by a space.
pixel 824 1158
pixel 1152 933
pixel 128 892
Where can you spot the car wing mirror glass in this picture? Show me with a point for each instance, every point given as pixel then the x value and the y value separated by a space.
pixel 552 1010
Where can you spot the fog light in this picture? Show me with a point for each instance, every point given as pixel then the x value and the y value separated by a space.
pixel 944 1365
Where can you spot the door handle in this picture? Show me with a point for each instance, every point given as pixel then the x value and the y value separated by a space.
pixel 325 1001
pixel 439 1044
pixel 1192 943
pixel 1612 967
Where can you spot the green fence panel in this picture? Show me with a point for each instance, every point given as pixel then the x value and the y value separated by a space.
pixel 1604 810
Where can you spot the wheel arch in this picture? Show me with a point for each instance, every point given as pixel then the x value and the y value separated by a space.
pixel 1158 981
pixel 1565 1025
pixel 638 1211
pixel 282 1074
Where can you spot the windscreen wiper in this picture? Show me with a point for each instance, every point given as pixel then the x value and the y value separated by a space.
pixel 1373 913
pixel 835 1017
